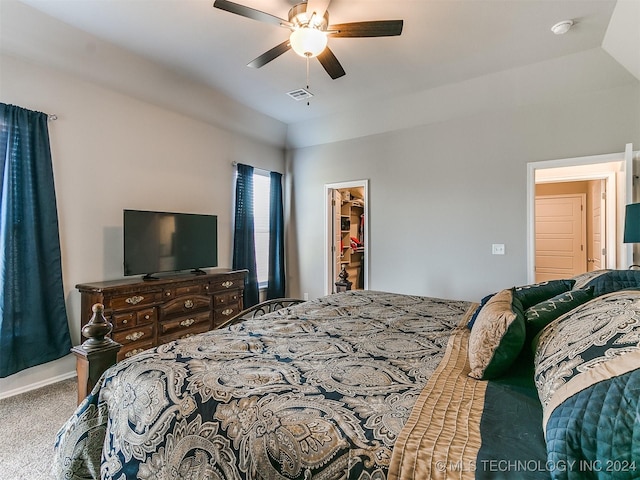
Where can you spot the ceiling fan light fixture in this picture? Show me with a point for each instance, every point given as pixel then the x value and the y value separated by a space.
pixel 308 42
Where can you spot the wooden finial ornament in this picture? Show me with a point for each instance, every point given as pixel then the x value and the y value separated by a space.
pixel 97 329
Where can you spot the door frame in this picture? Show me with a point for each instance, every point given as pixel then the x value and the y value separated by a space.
pixel 620 176
pixel 329 243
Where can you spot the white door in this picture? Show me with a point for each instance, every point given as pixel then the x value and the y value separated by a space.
pixel 560 225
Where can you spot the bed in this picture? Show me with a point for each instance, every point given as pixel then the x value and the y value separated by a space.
pixel 364 385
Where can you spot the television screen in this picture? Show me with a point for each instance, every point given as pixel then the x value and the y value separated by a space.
pixel 156 242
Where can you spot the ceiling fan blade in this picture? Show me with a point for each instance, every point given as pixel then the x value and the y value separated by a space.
pixel 331 64
pixel 376 28
pixel 318 7
pixel 272 54
pixel 250 13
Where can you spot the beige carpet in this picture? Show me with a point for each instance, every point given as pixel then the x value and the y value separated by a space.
pixel 28 426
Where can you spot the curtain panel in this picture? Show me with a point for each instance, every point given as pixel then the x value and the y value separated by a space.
pixel 276 287
pixel 244 248
pixel 33 320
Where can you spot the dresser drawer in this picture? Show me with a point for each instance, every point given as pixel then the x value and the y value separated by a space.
pixel 126 302
pixel 185 304
pixel 231 281
pixel 183 333
pixel 227 298
pixel 133 318
pixel 180 290
pixel 133 349
pixel 224 313
pixel 132 335
pixel 185 323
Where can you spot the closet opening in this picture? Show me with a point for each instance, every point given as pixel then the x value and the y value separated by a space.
pixel 347 238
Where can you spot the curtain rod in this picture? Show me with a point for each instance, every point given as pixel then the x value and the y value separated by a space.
pixel 52 117
pixel 235 164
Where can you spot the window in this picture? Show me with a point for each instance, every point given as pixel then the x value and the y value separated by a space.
pixel 258 239
pixel 261 195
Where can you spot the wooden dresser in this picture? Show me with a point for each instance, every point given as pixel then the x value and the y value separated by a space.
pixel 149 313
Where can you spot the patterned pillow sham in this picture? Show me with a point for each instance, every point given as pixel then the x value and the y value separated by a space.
pixel 483 302
pixel 614 280
pixel 497 336
pixel 584 278
pixel 543 313
pixel 588 381
pixel 530 295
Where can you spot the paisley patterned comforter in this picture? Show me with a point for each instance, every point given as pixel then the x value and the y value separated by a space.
pixel 319 390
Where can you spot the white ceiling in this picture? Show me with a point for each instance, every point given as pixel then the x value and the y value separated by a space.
pixel 443 42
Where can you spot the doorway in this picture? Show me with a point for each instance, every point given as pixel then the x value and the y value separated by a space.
pixel 346 234
pixel 615 170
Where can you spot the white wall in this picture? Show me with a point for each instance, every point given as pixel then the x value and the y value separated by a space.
pixel 111 152
pixel 442 193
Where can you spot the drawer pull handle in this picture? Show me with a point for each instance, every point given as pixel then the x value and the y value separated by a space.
pixel 188 304
pixel 188 322
pixel 227 284
pixel 168 294
pixel 133 352
pixel 124 322
pixel 227 311
pixel 134 336
pixel 136 299
pixel 146 317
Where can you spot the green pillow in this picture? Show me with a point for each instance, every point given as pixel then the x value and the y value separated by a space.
pixel 497 336
pixel 530 295
pixel 543 313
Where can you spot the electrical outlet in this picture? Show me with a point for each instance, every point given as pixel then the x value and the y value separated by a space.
pixel 497 249
pixel 306 296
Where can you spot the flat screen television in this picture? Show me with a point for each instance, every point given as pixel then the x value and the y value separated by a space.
pixel 158 242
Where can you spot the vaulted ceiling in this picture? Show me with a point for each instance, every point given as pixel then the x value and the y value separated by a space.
pixel 471 44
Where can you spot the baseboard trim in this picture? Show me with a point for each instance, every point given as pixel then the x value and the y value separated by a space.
pixel 36 385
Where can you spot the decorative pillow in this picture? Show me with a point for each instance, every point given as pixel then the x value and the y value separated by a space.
pixel 530 295
pixel 584 278
pixel 543 313
pixel 483 302
pixel 614 280
pixel 497 336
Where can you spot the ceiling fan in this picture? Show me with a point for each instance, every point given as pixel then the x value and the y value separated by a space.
pixel 310 29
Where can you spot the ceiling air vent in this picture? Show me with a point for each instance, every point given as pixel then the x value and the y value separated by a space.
pixel 300 94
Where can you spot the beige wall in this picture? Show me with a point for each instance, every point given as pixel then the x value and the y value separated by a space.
pixel 111 152
pixel 441 194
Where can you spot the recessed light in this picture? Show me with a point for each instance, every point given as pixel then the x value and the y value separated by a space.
pixel 563 27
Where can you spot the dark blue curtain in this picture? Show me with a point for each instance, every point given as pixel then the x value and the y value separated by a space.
pixel 33 317
pixel 244 245
pixel 276 287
